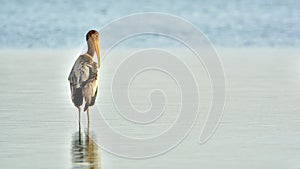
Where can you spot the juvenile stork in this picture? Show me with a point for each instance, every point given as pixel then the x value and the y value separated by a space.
pixel 83 77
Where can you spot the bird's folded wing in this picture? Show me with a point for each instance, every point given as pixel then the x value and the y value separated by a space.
pixel 83 70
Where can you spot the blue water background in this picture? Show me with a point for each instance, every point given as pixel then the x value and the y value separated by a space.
pixel 232 23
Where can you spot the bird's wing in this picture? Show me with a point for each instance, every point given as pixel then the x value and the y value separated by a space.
pixel 82 71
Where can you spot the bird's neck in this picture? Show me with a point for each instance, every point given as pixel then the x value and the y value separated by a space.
pixel 91 50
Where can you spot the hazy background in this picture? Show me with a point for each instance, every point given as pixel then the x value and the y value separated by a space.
pixel 257 42
pixel 234 23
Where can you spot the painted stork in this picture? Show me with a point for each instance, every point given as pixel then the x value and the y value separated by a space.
pixel 83 77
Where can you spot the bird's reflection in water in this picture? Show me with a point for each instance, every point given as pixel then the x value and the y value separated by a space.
pixel 85 152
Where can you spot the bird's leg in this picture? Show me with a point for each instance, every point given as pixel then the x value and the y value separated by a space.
pixel 79 117
pixel 79 135
pixel 88 116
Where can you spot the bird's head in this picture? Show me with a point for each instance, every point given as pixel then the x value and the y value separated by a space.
pixel 92 38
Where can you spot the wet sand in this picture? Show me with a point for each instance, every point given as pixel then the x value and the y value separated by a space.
pixel 260 127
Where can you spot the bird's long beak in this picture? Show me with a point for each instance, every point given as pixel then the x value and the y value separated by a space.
pixel 97 48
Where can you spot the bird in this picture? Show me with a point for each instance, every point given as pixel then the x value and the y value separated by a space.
pixel 83 77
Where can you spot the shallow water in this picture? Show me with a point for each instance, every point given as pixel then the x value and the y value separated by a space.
pixel 61 24
pixel 85 152
pixel 260 127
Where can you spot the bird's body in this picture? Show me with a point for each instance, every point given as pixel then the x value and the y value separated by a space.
pixel 83 77
pixel 84 81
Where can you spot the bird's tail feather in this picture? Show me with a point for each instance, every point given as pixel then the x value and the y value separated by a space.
pixel 78 99
pixel 86 107
pixel 92 101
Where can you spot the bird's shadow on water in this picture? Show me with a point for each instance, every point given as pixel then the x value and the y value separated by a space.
pixel 85 152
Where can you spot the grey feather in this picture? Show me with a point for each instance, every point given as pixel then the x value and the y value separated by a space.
pixel 84 75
